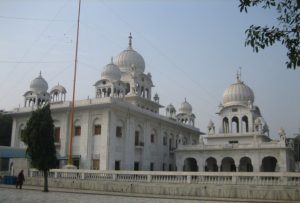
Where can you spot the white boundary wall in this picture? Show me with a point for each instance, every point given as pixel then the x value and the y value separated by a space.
pixel 251 186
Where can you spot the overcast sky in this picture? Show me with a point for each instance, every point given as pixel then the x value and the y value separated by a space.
pixel 193 50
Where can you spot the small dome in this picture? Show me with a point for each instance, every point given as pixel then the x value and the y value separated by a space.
pixel 129 60
pixel 39 84
pixel 210 124
pixel 170 107
pixel 111 72
pixel 58 88
pixel 238 94
pixel 185 108
pixel 257 121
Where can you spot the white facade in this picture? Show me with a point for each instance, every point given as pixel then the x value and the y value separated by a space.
pixel 242 143
pixel 120 128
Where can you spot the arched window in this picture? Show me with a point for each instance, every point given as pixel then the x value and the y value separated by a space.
pixel 153 136
pixel 245 124
pixel 138 137
pixel 120 129
pixel 235 125
pixel 77 128
pixel 225 125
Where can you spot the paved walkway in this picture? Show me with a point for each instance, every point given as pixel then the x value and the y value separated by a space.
pixel 29 194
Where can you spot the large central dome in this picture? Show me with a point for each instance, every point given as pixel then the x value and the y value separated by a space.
pixel 238 94
pixel 130 60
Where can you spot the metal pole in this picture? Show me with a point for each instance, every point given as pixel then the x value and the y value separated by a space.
pixel 74 82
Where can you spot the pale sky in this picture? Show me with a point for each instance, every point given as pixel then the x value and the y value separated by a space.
pixel 192 48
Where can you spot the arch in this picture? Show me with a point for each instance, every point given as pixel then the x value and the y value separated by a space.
pixel 211 164
pixel 190 164
pixel 138 136
pixel 268 164
pixel 20 131
pixel 127 90
pixel 165 139
pixel 142 92
pixel 245 165
pixel 153 136
pixel 77 128
pixel 235 125
pixel 96 126
pixel 108 92
pixel 228 165
pixel 245 124
pixel 225 125
pixel 96 121
pixel 147 93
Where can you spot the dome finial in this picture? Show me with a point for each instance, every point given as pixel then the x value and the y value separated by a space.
pixel 112 60
pixel 40 73
pixel 239 74
pixel 130 40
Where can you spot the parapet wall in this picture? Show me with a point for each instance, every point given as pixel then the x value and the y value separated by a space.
pixel 182 184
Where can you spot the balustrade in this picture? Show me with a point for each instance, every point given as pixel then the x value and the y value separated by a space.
pixel 244 178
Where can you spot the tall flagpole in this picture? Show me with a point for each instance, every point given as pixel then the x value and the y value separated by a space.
pixel 74 85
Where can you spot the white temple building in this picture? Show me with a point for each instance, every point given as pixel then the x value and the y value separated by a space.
pixel 120 128
pixel 242 142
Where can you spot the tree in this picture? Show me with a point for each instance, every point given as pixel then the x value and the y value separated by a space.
pixel 38 136
pixel 287 32
pixel 5 129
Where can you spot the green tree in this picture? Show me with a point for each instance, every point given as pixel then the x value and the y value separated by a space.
pixel 287 32
pixel 38 136
pixel 5 129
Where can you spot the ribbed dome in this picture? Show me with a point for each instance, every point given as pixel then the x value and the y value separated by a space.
pixel 130 59
pixel 58 88
pixel 111 72
pixel 39 84
pixel 238 94
pixel 185 108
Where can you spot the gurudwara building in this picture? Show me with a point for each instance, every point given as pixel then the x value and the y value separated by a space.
pixel 120 128
pixel 242 143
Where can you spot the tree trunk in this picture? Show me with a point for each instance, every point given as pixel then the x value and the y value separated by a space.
pixel 46 181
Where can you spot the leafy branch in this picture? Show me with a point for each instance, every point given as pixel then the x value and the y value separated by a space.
pixel 287 32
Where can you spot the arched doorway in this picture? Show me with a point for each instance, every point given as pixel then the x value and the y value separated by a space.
pixel 268 164
pixel 245 165
pixel 190 164
pixel 211 165
pixel 228 165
